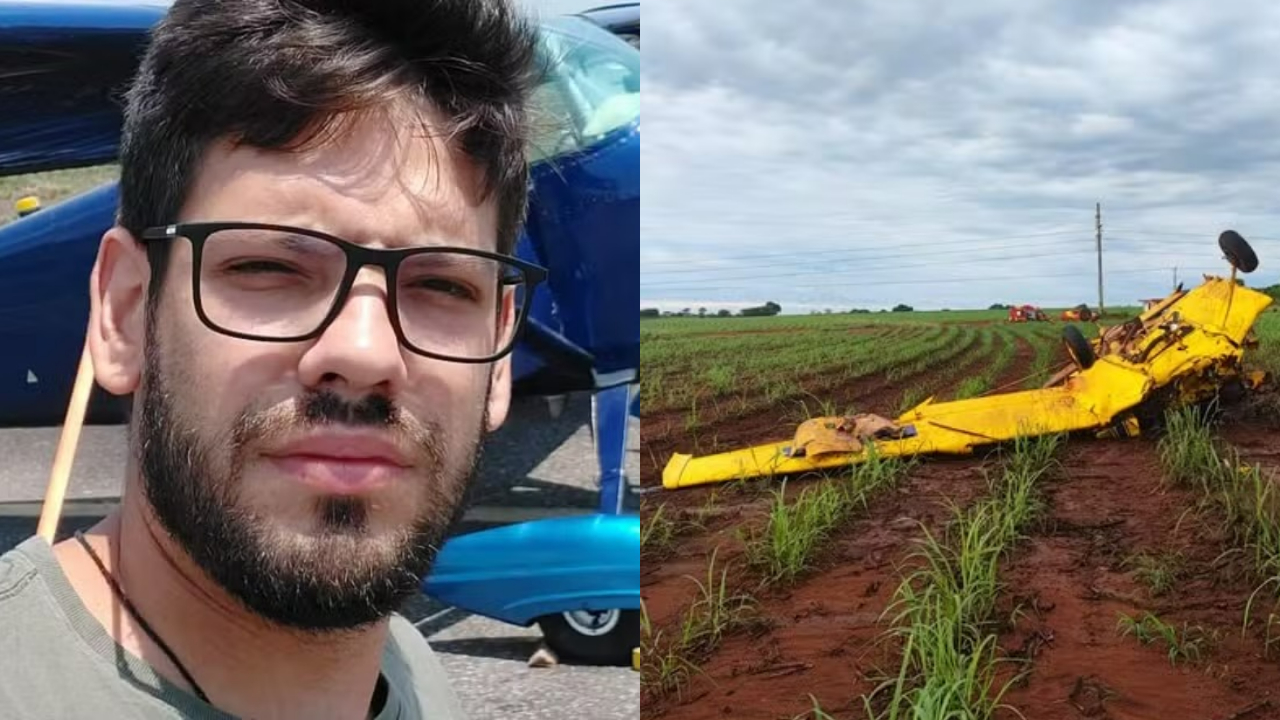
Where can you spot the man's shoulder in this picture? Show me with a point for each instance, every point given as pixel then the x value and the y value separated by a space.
pixel 41 645
pixel 18 569
pixel 415 670
pixel 407 647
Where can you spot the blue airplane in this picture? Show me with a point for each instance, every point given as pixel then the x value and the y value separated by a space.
pixel 621 19
pixel 62 70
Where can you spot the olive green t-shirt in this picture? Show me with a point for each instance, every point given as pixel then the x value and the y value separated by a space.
pixel 58 662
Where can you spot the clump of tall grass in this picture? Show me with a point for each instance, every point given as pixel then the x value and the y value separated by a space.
pixel 668 663
pixel 1187 450
pixel 1245 498
pixel 784 549
pixel 944 612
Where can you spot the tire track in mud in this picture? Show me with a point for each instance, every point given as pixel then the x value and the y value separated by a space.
pixel 820 635
pixel 1074 578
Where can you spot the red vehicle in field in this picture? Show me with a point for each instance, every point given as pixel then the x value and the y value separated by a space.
pixel 1027 313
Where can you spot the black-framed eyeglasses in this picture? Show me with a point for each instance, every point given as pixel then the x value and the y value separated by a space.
pixel 278 283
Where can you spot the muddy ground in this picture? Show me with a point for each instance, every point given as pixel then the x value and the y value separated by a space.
pixel 819 636
pixel 1080 572
pixel 1066 585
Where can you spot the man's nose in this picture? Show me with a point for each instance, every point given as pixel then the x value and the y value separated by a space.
pixel 359 348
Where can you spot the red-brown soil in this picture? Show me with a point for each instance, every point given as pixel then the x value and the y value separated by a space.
pixel 668 579
pixel 861 558
pixel 833 613
pixel 1075 578
pixel 1257 442
pixel 1070 580
pixel 719 426
pixel 820 635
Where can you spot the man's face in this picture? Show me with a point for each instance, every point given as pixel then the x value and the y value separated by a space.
pixel 234 436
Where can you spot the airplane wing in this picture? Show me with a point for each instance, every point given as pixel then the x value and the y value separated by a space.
pixel 63 67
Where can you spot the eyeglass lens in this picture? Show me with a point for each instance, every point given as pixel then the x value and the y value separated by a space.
pixel 277 284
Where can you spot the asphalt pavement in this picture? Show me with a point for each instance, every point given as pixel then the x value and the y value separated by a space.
pixel 535 466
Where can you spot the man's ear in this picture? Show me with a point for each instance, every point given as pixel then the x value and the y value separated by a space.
pixel 117 307
pixel 500 376
pixel 499 393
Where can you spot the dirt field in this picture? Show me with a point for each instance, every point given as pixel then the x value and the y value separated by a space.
pixel 1120 592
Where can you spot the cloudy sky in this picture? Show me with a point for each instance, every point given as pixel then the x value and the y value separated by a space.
pixel 949 154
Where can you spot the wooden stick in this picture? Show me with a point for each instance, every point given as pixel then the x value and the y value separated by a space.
pixel 60 476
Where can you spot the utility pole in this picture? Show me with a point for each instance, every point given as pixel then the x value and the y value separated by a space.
pixel 1175 278
pixel 1097 218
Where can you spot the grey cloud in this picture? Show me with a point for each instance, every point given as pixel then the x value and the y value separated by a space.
pixel 808 127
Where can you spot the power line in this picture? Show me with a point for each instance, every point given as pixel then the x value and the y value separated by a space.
pixel 1119 240
pixel 1211 237
pixel 1201 238
pixel 1122 237
pixel 826 270
pixel 804 269
pixel 1117 245
pixel 825 262
pixel 859 284
pixel 924 246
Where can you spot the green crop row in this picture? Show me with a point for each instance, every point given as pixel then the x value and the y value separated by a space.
pixel 946 369
pixel 668 662
pixel 761 363
pixel 785 547
pixel 785 383
pixel 944 613
pixel 1245 497
pixel 1267 354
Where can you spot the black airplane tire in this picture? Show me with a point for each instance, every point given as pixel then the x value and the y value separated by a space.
pixel 1238 252
pixel 605 639
pixel 1078 347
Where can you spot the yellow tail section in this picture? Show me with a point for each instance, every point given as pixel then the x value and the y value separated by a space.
pixel 1193 339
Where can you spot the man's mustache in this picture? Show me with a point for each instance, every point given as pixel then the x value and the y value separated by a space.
pixel 326 409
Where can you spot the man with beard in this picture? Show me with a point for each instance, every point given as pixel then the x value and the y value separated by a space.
pixel 311 295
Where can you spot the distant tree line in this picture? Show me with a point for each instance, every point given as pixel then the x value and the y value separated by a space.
pixel 773 308
pixel 768 309
pixel 765 310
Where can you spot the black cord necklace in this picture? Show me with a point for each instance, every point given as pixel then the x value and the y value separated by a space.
pixel 115 588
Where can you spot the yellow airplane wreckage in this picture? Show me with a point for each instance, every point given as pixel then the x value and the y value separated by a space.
pixel 1185 349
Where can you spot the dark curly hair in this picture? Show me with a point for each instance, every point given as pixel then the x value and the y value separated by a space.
pixel 285 74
